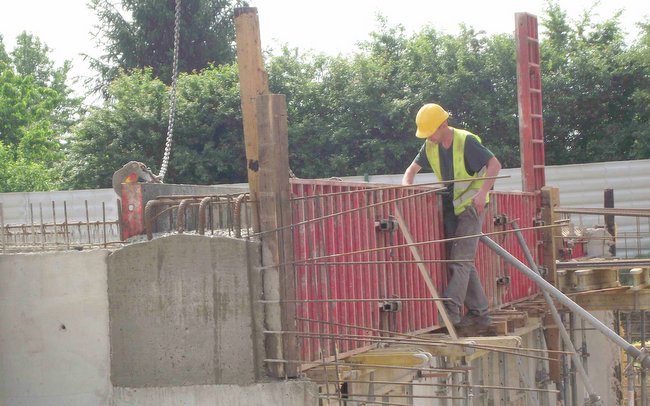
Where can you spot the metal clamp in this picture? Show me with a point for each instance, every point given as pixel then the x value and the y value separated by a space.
pixel 390 306
pixel 386 225
pixel 503 280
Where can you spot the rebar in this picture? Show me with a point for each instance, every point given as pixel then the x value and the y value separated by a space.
pixel 369 188
pixel 451 385
pixel 417 244
pixel 340 213
pixel 603 211
pixel 421 340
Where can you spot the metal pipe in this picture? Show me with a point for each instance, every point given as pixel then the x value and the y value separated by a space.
pixel 393 247
pixel 639 355
pixel 630 363
pixel 606 211
pixel 613 263
pixel 644 375
pixel 575 361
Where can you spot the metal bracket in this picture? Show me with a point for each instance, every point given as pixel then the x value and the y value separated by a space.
pixel 503 280
pixel 543 271
pixel 390 306
pixel 386 225
pixel 500 220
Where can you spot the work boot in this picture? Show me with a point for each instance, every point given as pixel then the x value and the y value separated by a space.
pixel 474 320
pixel 453 312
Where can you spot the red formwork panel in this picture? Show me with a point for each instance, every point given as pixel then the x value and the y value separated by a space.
pixel 351 272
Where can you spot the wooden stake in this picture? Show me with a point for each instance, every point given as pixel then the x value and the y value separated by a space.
pixel 253 82
pixel 550 201
pixel 425 274
pixel 275 214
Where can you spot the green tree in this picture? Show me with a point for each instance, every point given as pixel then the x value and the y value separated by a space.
pixel 357 114
pixel 639 76
pixel 135 34
pixel 589 81
pixel 35 111
pixel 208 142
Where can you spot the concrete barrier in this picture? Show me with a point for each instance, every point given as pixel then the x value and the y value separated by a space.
pixel 181 312
pixel 54 347
pixel 185 327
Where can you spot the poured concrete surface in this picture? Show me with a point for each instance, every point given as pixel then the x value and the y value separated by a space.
pixel 54 347
pixel 181 313
pixel 289 393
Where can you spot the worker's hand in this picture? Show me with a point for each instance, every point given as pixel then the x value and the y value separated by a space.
pixel 479 203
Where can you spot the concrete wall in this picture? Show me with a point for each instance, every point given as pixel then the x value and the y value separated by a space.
pixel 181 313
pixel 289 393
pixel 54 347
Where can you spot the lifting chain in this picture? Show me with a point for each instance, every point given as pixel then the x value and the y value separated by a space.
pixel 172 96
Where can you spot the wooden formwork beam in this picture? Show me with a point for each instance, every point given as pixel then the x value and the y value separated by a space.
pixel 277 241
pixel 614 299
pixel 253 81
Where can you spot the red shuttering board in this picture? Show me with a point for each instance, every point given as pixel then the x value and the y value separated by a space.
pixel 347 267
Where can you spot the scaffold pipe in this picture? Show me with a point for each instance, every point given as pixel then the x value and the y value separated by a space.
pixel 594 399
pixel 640 356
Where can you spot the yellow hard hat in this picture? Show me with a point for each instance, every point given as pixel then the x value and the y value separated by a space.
pixel 429 119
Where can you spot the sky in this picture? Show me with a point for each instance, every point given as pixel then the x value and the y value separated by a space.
pixel 331 27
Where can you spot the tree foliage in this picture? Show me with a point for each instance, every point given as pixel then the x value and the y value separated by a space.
pixel 132 125
pixel 36 110
pixel 358 113
pixel 136 34
pixel 592 82
pixel 354 115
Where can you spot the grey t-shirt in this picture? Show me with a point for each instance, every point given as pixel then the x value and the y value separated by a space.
pixel 476 157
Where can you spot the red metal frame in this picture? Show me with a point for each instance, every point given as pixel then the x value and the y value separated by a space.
pixel 331 252
pixel 529 85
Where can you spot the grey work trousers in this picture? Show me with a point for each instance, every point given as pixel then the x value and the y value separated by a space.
pixel 464 286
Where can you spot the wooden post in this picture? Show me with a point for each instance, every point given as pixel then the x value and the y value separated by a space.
pixel 253 82
pixel 610 220
pixel 550 235
pixel 550 238
pixel 277 241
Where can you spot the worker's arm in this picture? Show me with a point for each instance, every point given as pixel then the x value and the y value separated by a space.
pixel 410 173
pixel 492 170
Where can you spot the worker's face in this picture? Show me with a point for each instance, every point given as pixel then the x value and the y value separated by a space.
pixel 436 136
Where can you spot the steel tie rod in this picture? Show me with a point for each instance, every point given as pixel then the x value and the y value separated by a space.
pixel 641 356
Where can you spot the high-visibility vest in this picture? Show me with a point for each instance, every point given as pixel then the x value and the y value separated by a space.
pixel 464 190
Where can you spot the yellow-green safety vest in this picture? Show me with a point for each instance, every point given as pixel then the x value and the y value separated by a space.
pixel 464 191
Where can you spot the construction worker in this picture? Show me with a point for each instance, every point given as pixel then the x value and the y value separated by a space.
pixel 458 156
